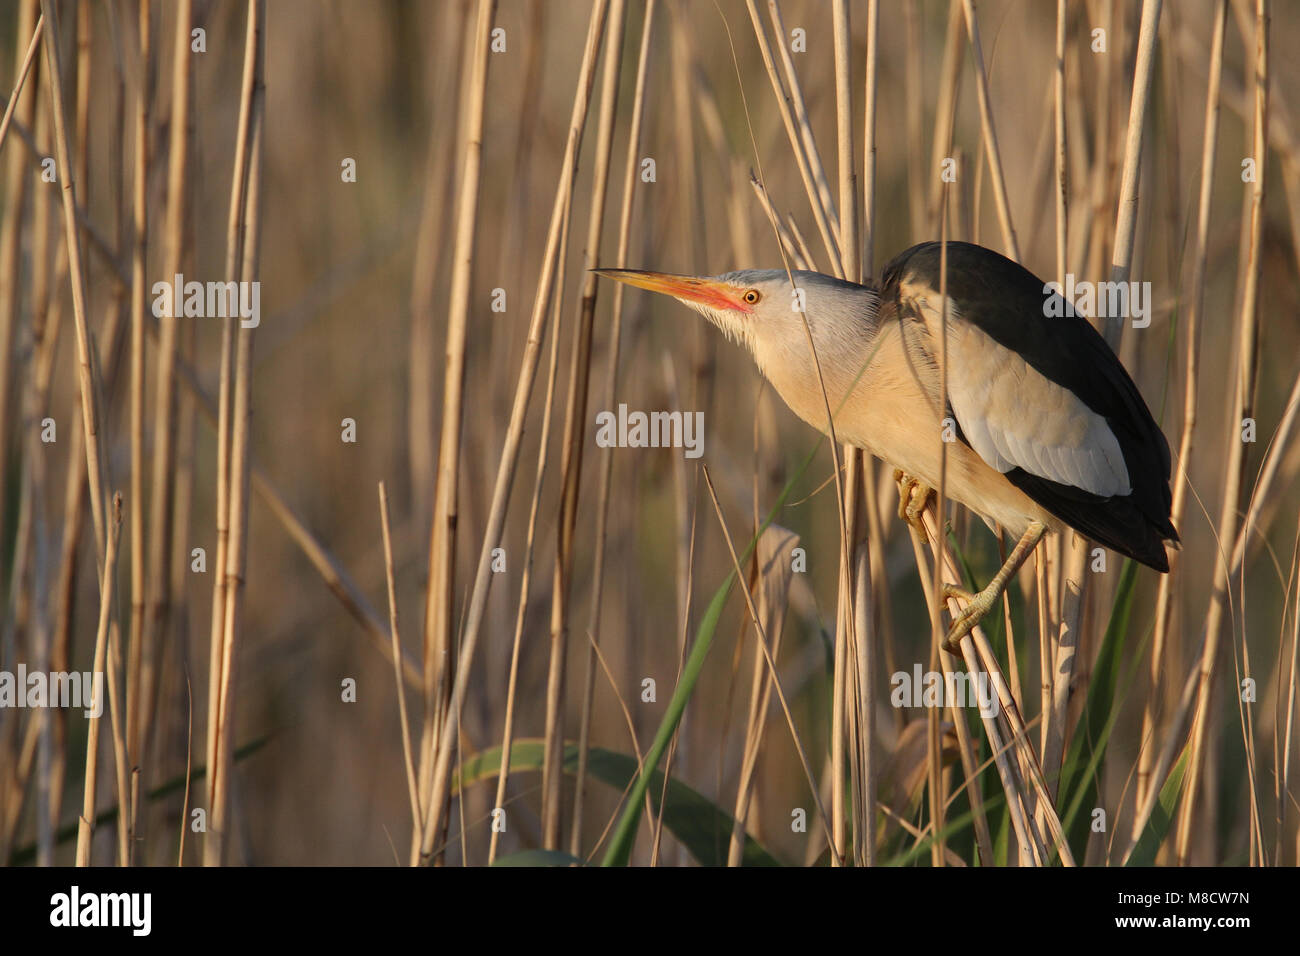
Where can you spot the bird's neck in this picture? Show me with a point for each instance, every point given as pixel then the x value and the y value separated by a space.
pixel 842 339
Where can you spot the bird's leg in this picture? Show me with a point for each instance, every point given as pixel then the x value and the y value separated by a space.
pixel 913 495
pixel 977 605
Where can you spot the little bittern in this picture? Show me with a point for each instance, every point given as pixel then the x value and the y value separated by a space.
pixel 1047 429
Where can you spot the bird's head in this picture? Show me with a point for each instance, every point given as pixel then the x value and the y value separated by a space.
pixel 765 309
pixel 738 303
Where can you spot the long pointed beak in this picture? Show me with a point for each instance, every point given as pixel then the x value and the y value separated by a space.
pixel 709 292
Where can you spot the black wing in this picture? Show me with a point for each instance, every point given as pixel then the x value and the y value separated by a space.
pixel 1007 302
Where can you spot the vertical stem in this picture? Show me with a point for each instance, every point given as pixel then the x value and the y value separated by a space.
pixel 232 460
pixel 1191 375
pixel 139 283
pixel 164 480
pixel 1126 219
pixel 440 751
pixel 1247 359
pixel 87 373
pixel 990 134
pixel 575 416
pixel 438 651
pixel 86 823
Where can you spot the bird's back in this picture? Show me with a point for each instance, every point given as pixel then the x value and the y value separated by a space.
pixel 1040 395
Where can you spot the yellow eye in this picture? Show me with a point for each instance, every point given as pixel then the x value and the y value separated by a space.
pixel 752 296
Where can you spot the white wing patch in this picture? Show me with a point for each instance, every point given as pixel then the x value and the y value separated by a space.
pixel 1014 416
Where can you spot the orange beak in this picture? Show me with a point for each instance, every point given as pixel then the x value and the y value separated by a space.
pixel 710 292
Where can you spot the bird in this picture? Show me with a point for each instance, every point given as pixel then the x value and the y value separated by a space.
pixel 1042 427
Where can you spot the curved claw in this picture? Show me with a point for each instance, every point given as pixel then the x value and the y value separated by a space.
pixel 913 497
pixel 956 591
pixel 977 605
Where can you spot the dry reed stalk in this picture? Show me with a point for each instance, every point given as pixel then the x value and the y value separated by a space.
pixel 553 735
pixel 843 36
pixel 1254 522
pixel 96 465
pixel 1196 306
pixel 60 638
pixel 774 576
pixel 945 113
pixel 789 246
pixel 866 265
pixel 51 754
pixel 1282 748
pixel 117 680
pixel 690 196
pixel 1063 649
pixel 811 151
pixel 821 215
pixel 1007 770
pixel 16 178
pixel 144 91
pixel 935 779
pixel 439 195
pixel 1095 226
pixel 1056 695
pixel 990 134
pixel 240 472
pixel 848 650
pixel 979 815
pixel 767 656
pixel 189 758
pixel 801 242
pixel 865 723
pixel 883 616
pixel 126 832
pixel 438 652
pixel 978 656
pixel 233 463
pixel 439 760
pixel 685 564
pixel 85 824
pixel 1242 402
pixel 914 98
pixel 26 621
pixel 1174 744
pixel 1062 190
pixel 606 466
pixel 23 70
pixel 525 581
pixel 845 620
pixel 74 501
pixel 390 578
pixel 1041 169
pixel 693 222
pixel 222 506
pixel 574 430
pixel 1126 217
pixel 162 529
pixel 846 638
pixel 27 581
